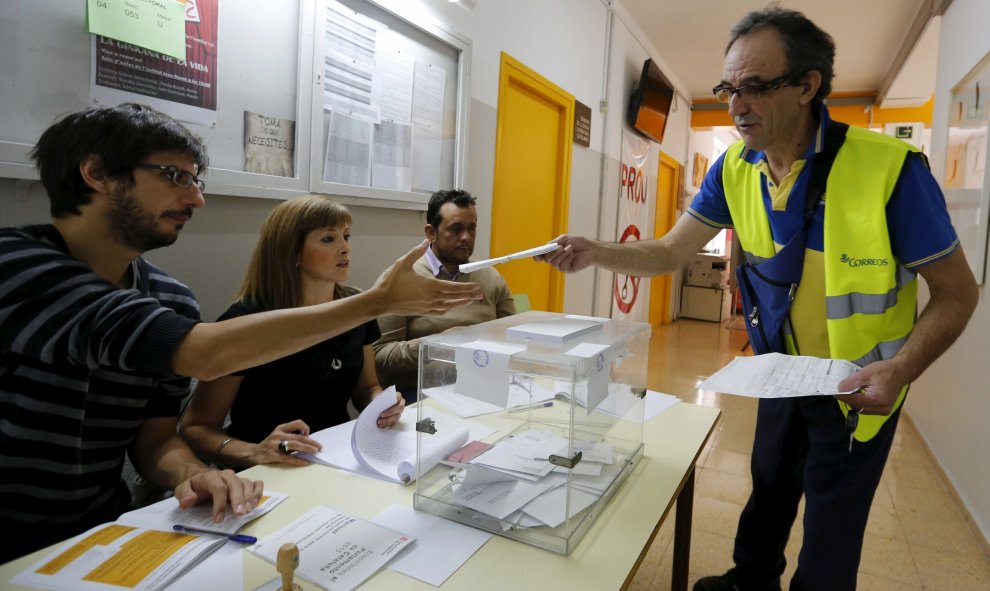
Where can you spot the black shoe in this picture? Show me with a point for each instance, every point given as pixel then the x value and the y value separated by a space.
pixel 730 582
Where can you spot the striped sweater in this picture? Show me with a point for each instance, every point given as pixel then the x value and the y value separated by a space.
pixel 82 363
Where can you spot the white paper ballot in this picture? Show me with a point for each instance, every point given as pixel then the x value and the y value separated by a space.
pixel 553 506
pixel 501 499
pixel 532 252
pixel 441 546
pixel 775 375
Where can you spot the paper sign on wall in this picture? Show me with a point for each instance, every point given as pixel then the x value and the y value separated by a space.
pixel 158 26
pixel 269 144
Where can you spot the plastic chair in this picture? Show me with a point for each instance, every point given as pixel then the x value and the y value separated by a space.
pixel 522 302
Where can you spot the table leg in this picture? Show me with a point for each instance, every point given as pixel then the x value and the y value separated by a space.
pixel 682 535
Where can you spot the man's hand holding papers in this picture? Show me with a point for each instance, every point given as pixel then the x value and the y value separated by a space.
pixel 875 389
pixel 775 375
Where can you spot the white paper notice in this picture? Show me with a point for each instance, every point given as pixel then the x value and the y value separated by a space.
pixel 427 118
pixel 482 367
pixel 394 80
pixel 775 375
pixel 348 151
pixel 598 378
pixel 336 551
pixel 441 546
pixel 349 62
pixel 391 158
pixel 269 144
pixel 426 159
pixel 428 89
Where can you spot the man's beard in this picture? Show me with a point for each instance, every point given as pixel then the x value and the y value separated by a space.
pixel 453 257
pixel 134 226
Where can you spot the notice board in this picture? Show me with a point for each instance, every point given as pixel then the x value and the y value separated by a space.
pixel 271 66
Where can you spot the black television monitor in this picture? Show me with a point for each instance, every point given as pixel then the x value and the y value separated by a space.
pixel 650 102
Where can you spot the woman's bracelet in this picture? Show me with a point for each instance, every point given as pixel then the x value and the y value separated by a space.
pixel 216 454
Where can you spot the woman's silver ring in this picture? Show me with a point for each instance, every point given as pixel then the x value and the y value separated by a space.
pixel 283 446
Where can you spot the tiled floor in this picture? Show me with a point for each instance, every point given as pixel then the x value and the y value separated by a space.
pixel 917 537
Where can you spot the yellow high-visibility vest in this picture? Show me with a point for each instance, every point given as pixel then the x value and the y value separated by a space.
pixel 871 298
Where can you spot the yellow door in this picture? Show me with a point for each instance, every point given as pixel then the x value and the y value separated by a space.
pixel 668 183
pixel 532 178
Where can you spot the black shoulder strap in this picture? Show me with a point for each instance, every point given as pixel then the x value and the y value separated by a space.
pixel 835 135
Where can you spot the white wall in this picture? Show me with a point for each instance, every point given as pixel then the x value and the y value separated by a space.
pixel 950 403
pixel 563 41
pixel 628 51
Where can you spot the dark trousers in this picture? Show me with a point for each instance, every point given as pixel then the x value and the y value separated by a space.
pixel 802 447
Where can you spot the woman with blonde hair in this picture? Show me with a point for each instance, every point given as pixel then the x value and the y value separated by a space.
pixel 302 256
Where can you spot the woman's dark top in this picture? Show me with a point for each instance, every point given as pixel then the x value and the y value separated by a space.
pixel 313 385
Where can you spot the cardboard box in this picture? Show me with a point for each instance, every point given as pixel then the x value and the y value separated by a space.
pixel 705 303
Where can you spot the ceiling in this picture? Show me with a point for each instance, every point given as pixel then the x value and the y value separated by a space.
pixel 872 38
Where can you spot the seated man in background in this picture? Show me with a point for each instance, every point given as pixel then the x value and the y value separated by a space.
pixel 96 343
pixel 451 224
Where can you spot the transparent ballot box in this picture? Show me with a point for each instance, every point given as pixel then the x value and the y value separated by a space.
pixel 547 423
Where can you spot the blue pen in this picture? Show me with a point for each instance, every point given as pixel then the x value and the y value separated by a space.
pixel 233 537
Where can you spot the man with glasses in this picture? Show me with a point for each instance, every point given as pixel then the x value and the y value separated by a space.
pixel 97 345
pixel 881 222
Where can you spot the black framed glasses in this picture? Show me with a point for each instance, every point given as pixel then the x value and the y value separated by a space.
pixel 181 178
pixel 723 92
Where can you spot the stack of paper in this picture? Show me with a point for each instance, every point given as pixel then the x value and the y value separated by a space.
pixel 514 481
pixel 775 375
pixel 140 550
pixel 554 330
pixel 362 447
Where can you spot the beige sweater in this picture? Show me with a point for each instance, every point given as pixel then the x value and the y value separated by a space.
pixel 397 352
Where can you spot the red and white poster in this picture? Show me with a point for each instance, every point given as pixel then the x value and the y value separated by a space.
pixel 630 295
pixel 185 89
